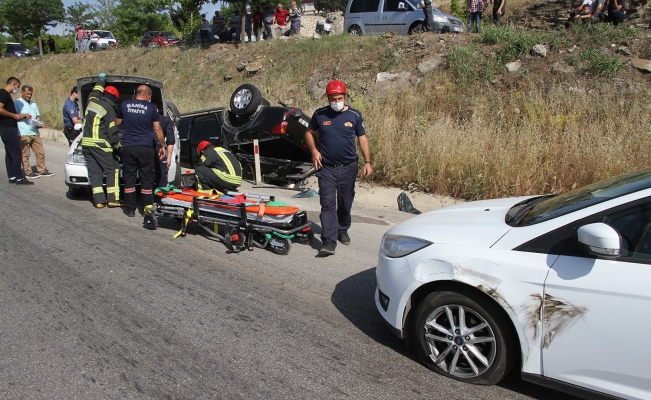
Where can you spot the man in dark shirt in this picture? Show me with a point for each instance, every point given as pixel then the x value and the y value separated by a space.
pixel 336 162
pixel 9 132
pixel 140 127
pixel 71 116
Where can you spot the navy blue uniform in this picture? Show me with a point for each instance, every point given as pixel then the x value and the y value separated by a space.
pixel 138 139
pixel 337 134
pixel 70 110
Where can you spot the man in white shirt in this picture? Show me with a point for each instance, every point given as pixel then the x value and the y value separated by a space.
pixel 29 135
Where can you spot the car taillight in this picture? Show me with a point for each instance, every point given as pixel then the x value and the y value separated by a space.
pixel 281 127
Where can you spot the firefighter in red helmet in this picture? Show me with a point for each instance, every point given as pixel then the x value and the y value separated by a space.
pixel 100 138
pixel 217 169
pixel 336 161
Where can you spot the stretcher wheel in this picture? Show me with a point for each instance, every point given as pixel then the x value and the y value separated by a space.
pixel 283 248
pixel 150 222
pixel 307 238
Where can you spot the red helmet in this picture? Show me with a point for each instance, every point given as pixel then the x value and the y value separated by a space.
pixel 202 145
pixel 112 90
pixel 336 87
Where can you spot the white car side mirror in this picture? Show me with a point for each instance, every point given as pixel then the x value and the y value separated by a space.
pixel 600 239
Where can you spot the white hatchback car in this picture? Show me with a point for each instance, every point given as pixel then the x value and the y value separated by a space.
pixel 556 285
pixel 76 173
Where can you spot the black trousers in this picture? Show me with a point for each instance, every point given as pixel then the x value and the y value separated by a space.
pixel 160 169
pixel 138 160
pixel 69 133
pixel 336 193
pixel 13 154
pixel 100 163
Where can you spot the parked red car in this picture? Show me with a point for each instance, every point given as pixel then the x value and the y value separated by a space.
pixel 159 39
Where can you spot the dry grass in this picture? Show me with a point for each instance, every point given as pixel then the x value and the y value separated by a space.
pixel 524 135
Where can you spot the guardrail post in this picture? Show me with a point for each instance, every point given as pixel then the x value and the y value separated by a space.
pixel 256 155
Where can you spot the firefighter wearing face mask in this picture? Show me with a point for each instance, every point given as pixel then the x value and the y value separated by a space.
pixel 336 161
pixel 100 137
pixel 218 169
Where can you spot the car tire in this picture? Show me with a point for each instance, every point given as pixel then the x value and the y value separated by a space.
pixel 245 100
pixel 77 192
pixel 172 111
pixel 482 357
pixel 355 30
pixel 177 177
pixel 416 28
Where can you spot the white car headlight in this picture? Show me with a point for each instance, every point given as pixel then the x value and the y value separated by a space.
pixel 76 157
pixel 395 246
pixel 438 18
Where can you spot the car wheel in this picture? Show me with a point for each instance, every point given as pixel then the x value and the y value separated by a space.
pixel 245 100
pixel 172 111
pixel 177 176
pixel 416 28
pixel 77 192
pixel 458 338
pixel 355 30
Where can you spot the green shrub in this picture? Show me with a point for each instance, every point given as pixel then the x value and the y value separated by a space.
pixel 598 62
pixel 514 42
pixel 463 62
pixel 587 33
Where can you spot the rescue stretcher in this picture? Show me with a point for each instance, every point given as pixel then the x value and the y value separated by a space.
pixel 240 220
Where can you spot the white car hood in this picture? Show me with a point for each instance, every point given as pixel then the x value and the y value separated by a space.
pixel 477 223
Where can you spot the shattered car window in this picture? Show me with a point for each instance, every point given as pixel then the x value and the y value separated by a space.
pixel 587 196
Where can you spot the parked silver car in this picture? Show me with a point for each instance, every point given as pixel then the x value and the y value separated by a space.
pixel 370 17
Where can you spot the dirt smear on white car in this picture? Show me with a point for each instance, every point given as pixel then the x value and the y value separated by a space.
pixel 557 316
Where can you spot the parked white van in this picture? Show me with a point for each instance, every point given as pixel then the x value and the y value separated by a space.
pixel 371 17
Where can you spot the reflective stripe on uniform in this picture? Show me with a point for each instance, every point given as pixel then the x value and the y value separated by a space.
pixel 98 190
pixel 231 176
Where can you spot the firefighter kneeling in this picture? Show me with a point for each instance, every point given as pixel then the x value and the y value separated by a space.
pixel 218 169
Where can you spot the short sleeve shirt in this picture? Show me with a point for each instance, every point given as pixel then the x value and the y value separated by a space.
pixel 337 133
pixel 138 117
pixel 23 107
pixel 281 17
pixel 70 110
pixel 5 98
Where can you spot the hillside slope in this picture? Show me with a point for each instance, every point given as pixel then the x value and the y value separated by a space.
pixel 448 117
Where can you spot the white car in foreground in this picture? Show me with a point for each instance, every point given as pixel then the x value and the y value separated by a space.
pixel 76 173
pixel 557 286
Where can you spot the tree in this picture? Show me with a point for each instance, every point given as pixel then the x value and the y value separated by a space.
pixel 105 17
pixel 80 14
pixel 134 17
pixel 330 5
pixel 186 16
pixel 29 18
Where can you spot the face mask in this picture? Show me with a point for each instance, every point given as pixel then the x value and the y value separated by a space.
pixel 14 91
pixel 337 106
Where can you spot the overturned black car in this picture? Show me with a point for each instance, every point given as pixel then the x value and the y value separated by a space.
pixel 284 157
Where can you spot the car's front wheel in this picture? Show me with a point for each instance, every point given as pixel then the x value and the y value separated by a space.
pixel 457 337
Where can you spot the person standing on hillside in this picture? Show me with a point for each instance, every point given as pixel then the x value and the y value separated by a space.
pixel 71 116
pixel 29 136
pixel 279 23
pixel 204 29
pixel 51 44
pixel 140 131
pixel 475 9
pixel 248 24
pixel 236 28
pixel 295 19
pixel 426 5
pixel 257 24
pixel 498 11
pixel 9 132
pixel 336 162
pixel 268 19
pixel 100 138
pixel 81 36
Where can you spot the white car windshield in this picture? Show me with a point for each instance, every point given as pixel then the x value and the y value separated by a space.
pixel 585 196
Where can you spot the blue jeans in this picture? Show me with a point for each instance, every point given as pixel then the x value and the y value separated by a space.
pixel 474 16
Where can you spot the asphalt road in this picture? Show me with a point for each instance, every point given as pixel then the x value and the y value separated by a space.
pixel 94 306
